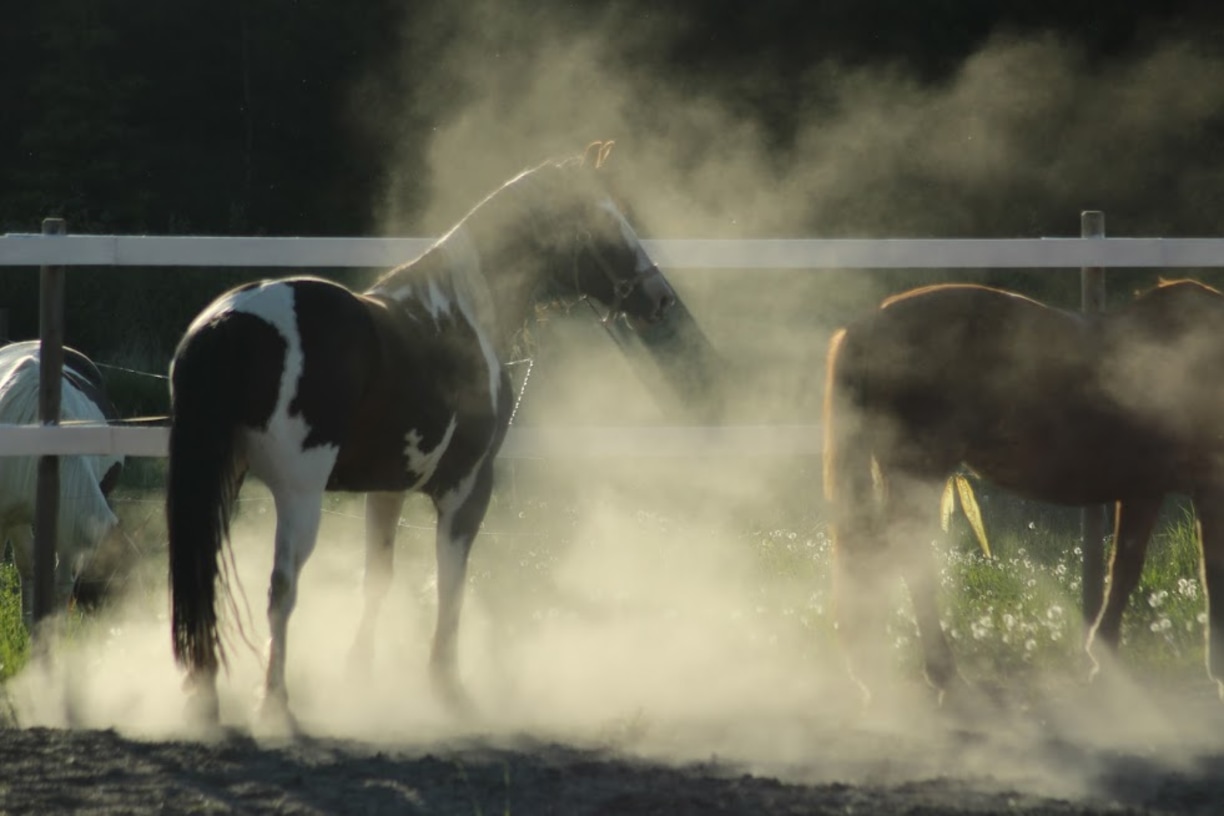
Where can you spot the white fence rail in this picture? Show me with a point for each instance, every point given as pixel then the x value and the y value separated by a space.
pixel 780 253
pixel 177 251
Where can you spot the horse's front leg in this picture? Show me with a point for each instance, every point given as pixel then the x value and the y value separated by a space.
pixel 862 579
pixel 1135 519
pixel 460 513
pixel 382 513
pixel 297 527
pixel 1209 509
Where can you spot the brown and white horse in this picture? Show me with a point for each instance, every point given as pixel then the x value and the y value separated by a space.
pixel 311 387
pixel 1124 407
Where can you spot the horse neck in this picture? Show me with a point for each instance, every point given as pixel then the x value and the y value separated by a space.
pixel 496 257
pixel 489 274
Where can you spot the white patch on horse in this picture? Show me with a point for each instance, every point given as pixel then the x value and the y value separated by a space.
pixel 454 498
pixel 423 462
pixel 643 260
pixel 435 300
pixel 278 455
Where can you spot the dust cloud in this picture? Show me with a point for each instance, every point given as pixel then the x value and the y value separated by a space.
pixel 1015 142
pixel 625 604
pixel 605 615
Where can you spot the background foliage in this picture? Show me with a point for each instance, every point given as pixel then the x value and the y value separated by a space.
pixel 307 117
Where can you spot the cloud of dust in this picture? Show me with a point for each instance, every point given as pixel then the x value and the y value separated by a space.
pixel 633 611
pixel 1024 128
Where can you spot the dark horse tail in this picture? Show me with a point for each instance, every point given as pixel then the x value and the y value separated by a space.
pixel 203 483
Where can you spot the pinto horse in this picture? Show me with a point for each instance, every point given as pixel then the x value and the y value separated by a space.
pixel 85 518
pixel 1056 406
pixel 311 387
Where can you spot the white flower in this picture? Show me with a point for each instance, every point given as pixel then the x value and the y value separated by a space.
pixel 1187 587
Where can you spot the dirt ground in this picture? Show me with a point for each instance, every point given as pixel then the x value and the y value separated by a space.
pixel 672 697
pixel 1044 767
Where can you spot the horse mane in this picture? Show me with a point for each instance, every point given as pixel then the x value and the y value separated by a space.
pixel 594 156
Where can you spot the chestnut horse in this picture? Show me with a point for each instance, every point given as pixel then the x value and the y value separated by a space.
pixel 1056 406
pixel 311 387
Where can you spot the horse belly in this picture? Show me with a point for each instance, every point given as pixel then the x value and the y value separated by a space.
pixel 1069 472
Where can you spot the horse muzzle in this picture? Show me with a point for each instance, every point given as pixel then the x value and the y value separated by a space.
pixel 657 295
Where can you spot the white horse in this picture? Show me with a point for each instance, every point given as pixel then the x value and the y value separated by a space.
pixel 85 517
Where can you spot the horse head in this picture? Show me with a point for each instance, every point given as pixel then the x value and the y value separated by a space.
pixel 597 253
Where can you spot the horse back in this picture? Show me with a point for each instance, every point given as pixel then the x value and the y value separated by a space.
pixel 1048 403
pixel 956 345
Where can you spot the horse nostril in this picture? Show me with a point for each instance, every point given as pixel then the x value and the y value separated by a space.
pixel 665 304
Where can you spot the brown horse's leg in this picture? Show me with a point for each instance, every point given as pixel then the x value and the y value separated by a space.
pixel 913 528
pixel 1209 508
pixel 1134 520
pixel 862 580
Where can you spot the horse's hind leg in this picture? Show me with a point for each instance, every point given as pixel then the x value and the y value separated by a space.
pixel 862 579
pixel 297 527
pixel 913 529
pixel 382 513
pixel 460 513
pixel 1209 508
pixel 1135 519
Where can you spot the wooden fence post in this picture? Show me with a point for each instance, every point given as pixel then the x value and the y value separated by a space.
pixel 51 367
pixel 1093 518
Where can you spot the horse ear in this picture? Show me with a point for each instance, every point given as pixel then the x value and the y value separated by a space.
pixel 590 156
pixel 596 153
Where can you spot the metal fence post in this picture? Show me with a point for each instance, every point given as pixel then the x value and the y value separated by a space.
pixel 51 366
pixel 1093 518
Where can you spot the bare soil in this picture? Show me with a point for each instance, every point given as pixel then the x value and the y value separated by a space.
pixel 846 771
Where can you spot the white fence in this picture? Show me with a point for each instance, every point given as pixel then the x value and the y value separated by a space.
pixel 781 253
pixel 119 250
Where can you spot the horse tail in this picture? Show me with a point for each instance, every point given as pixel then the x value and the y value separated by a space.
pixel 847 462
pixel 202 486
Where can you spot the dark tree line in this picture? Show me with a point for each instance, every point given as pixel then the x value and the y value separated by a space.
pixel 212 117
pixel 236 116
pixel 260 116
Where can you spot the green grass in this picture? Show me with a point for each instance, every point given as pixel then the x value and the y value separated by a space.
pixel 14 641
pixel 1014 613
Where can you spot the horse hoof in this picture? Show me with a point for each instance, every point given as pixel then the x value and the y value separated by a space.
pixel 965 701
pixel 203 711
pixel 276 720
pixel 453 697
